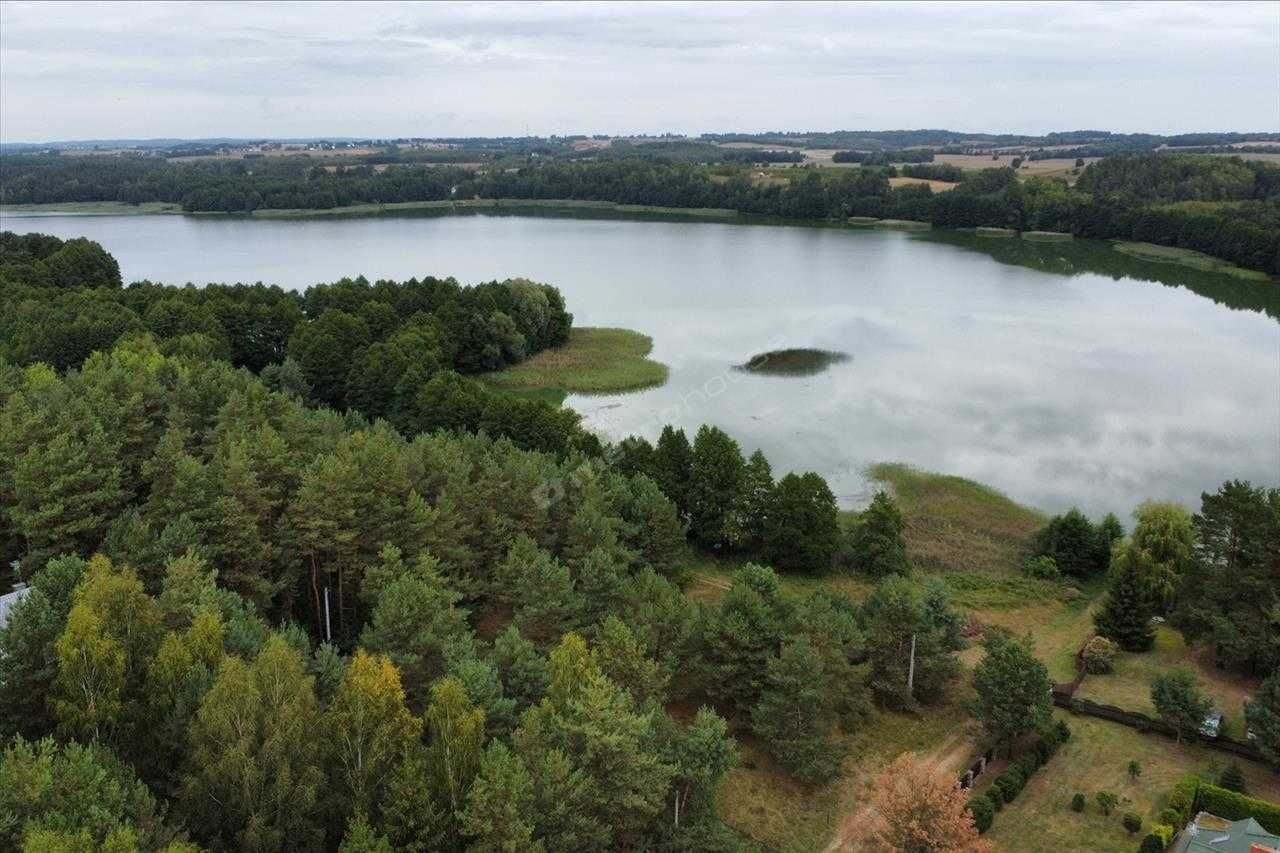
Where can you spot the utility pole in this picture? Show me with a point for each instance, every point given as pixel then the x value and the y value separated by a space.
pixel 911 667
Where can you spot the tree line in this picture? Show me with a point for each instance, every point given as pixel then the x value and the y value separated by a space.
pixel 1224 207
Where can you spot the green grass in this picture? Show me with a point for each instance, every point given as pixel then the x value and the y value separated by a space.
pixel 1128 686
pixel 988 231
pixel 497 204
pixel 954 524
pixel 593 361
pixel 1096 758
pixel 1186 258
pixel 104 207
pixel 1047 236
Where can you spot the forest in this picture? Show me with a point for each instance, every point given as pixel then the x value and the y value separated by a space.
pixel 1222 206
pixel 277 599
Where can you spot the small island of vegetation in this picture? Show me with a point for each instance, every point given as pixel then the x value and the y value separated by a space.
pixel 798 361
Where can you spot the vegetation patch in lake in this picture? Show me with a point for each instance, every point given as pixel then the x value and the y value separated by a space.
pixel 793 362
pixel 592 361
pixel 1186 258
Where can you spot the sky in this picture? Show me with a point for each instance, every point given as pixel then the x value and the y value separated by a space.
pixel 189 70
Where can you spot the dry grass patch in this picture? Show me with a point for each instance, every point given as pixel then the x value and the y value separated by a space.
pixel 954 524
pixel 935 186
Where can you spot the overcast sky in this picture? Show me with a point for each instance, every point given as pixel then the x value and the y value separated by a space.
pixel 120 70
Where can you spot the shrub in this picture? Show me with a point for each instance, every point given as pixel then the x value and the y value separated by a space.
pixel 1009 783
pixel 1043 749
pixel 1028 763
pixel 983 812
pixel 1043 567
pixel 1106 801
pixel 1100 655
pixel 1183 799
pixel 1132 822
pixel 1232 778
pixel 1135 769
pixel 1077 803
pixel 1063 730
pixel 1157 839
pixel 1170 816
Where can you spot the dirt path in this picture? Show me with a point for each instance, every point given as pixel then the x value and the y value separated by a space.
pixel 950 756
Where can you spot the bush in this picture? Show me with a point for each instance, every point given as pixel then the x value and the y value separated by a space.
pixel 1183 799
pixel 1043 567
pixel 1157 839
pixel 1077 803
pixel 1106 801
pixel 1132 822
pixel 1009 783
pixel 1170 816
pixel 1135 769
pixel 1044 748
pixel 1100 655
pixel 983 812
pixel 1232 778
pixel 1063 730
pixel 1028 763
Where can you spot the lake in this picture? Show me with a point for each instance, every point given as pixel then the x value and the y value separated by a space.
pixel 1060 374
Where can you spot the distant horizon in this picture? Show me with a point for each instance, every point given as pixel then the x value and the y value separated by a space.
pixel 226 139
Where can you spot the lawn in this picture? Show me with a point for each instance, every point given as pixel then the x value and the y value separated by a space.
pixel 1129 686
pixel 1095 759
pixel 593 361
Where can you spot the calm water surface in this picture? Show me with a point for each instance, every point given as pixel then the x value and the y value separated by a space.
pixel 1060 374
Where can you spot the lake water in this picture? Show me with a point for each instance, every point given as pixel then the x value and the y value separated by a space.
pixel 1059 373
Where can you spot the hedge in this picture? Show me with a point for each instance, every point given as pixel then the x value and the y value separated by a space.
pixel 1232 806
pixel 1183 798
pixel 983 812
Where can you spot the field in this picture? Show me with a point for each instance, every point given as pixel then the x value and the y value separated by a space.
pixel 1186 258
pixel 593 361
pixel 935 186
pixel 1057 167
pixel 975 539
pixel 1096 758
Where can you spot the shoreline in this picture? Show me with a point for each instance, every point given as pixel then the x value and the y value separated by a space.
pixel 1149 252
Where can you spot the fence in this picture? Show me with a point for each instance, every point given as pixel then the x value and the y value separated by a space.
pixel 1143 723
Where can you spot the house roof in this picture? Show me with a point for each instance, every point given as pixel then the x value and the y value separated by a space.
pixel 1210 834
pixel 7 601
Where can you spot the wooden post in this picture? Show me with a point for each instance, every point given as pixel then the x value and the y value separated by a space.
pixel 911 668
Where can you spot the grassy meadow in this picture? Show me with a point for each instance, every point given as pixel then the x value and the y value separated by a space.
pixel 592 361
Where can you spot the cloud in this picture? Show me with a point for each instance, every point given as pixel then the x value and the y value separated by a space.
pixel 381 69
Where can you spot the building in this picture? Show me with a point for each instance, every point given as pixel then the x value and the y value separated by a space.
pixel 8 600
pixel 1211 834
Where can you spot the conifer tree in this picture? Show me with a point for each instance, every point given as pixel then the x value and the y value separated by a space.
pixel 794 716
pixel 876 546
pixel 1125 616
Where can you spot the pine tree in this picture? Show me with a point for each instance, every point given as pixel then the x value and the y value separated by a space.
pixel 794 716
pixel 802 531
pixel 876 546
pixel 522 669
pixel 1125 617
pixel 1262 713
pixel 715 485
pixel 740 637
pixel 673 467
pixel 499 815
